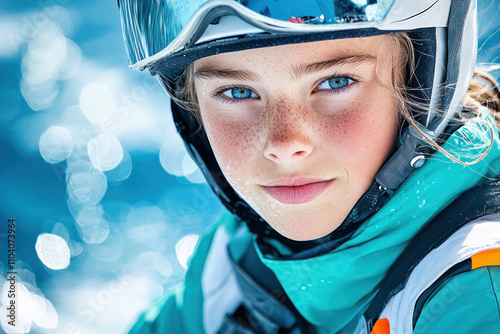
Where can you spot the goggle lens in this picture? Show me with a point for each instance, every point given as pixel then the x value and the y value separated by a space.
pixel 150 26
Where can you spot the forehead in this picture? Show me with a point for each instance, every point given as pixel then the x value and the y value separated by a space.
pixel 295 54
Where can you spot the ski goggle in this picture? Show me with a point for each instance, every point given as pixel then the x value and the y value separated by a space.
pixel 157 29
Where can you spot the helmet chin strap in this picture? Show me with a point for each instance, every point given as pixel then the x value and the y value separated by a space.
pixel 410 154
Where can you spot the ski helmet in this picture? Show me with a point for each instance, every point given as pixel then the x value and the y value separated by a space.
pixel 165 36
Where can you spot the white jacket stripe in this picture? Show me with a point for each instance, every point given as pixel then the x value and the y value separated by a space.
pixel 221 293
pixel 475 237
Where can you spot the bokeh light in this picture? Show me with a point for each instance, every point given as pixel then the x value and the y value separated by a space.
pixel 92 226
pixel 55 144
pixel 163 265
pixel 109 250
pixel 97 102
pixel 196 176
pixel 86 184
pixel 105 152
pixel 184 248
pixel 53 251
pixel 61 230
pixel 176 161
pixel 122 171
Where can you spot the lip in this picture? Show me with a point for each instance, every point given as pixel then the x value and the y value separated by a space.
pixel 296 191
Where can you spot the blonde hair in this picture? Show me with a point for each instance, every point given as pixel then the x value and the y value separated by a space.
pixel 483 91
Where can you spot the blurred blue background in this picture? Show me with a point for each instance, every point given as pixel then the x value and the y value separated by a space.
pixel 108 205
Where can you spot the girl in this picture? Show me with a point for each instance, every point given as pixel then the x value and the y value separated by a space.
pixel 355 163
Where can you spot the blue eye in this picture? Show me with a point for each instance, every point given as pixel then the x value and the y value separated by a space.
pixel 240 93
pixel 335 83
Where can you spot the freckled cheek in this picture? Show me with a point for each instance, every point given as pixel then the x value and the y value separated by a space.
pixel 235 146
pixel 357 133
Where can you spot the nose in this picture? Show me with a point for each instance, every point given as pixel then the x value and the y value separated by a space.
pixel 281 153
pixel 288 138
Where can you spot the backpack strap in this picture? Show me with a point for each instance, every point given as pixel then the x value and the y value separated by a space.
pixel 265 307
pixel 479 201
pixel 490 257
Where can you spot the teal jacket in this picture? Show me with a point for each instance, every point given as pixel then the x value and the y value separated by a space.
pixel 332 291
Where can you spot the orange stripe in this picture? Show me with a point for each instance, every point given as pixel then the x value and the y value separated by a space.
pixel 381 327
pixel 490 257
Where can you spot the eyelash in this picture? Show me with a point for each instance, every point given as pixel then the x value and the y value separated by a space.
pixel 349 85
pixel 219 94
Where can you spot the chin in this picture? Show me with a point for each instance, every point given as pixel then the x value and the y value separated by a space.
pixel 301 236
pixel 304 230
pixel 302 222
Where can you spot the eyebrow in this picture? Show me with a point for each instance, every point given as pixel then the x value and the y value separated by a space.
pixel 211 72
pixel 354 60
pixel 208 72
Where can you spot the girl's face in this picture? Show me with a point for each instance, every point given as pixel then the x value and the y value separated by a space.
pixel 300 130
